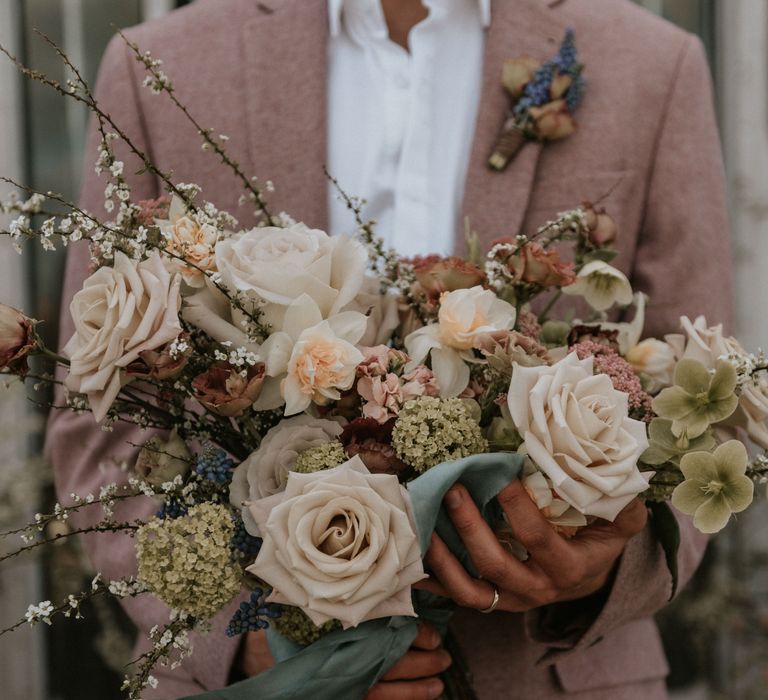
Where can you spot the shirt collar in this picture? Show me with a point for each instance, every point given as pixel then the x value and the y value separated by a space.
pixel 335 8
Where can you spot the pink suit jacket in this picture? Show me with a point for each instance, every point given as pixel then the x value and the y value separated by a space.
pixel 647 141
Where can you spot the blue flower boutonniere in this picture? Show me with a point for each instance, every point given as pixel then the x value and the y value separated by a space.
pixel 542 100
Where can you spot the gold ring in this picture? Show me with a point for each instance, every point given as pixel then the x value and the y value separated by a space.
pixel 495 602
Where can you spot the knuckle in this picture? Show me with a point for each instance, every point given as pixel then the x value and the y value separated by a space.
pixel 533 538
pixel 545 595
pixel 491 568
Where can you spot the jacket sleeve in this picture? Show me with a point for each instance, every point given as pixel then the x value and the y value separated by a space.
pixel 683 257
pixel 84 456
pixel 683 261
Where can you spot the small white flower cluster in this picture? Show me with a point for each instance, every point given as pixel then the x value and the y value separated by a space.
pixel 156 81
pixel 13 204
pixel 239 357
pixel 40 613
pixel 126 588
pixel 748 367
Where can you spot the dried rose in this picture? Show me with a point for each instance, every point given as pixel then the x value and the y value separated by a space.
pixel 436 274
pixel 536 265
pixel 151 209
pixel 559 86
pixel 228 391
pixel 372 442
pixel 517 73
pixel 17 339
pixel 159 364
pixel 552 121
pixel 601 227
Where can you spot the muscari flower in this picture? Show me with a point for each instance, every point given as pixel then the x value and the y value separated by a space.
pixel 698 398
pixel 715 486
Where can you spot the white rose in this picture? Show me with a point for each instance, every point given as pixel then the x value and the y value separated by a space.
pixel 382 312
pixel 278 265
pixel 707 345
pixel 120 312
pixel 601 285
pixel 576 428
pixel 464 316
pixel 340 544
pixel 561 514
pixel 311 360
pixel 265 472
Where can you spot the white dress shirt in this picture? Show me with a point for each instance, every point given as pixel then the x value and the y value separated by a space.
pixel 400 124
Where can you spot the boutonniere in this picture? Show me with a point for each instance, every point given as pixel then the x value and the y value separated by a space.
pixel 542 100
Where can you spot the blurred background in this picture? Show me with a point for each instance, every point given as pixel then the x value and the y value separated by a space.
pixel 716 633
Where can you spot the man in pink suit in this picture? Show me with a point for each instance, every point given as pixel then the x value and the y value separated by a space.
pixel 647 139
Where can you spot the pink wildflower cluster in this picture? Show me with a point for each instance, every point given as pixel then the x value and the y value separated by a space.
pixel 608 361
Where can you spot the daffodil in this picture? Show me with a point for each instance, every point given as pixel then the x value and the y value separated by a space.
pixel 715 486
pixel 698 399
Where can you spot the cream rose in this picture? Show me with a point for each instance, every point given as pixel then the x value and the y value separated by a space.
pixel 311 360
pixel 278 265
pixel 576 428
pixel 120 312
pixel 340 544
pixel 465 316
pixel 707 344
pixel 265 472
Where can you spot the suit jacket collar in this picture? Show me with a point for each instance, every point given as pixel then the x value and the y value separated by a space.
pixel 285 46
pixel 495 203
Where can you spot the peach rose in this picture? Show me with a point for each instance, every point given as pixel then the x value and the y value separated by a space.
pixel 17 339
pixel 552 121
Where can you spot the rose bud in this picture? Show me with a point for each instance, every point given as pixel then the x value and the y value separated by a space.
pixel 517 73
pixel 552 121
pixel 601 228
pixel 372 441
pixel 560 84
pixel 227 390
pixel 162 461
pixel 159 364
pixel 436 274
pixel 17 339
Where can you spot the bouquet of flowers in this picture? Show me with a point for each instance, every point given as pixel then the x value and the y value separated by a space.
pixel 308 399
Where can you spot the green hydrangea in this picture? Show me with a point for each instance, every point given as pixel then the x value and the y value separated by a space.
pixel 294 624
pixel 187 561
pixel 316 459
pixel 430 430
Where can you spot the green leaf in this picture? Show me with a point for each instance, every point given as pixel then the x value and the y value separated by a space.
pixel 667 531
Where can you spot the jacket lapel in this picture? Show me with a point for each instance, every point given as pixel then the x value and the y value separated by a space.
pixel 284 75
pixel 495 203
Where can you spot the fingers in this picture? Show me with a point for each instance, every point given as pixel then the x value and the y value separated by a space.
pixel 427 638
pixel 419 664
pixel 425 689
pixel 458 585
pixel 490 558
pixel 632 519
pixel 534 532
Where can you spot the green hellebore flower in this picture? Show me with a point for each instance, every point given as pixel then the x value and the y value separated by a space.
pixel 665 446
pixel 698 398
pixel 715 486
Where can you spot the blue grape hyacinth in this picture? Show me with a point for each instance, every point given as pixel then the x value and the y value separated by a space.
pixel 253 614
